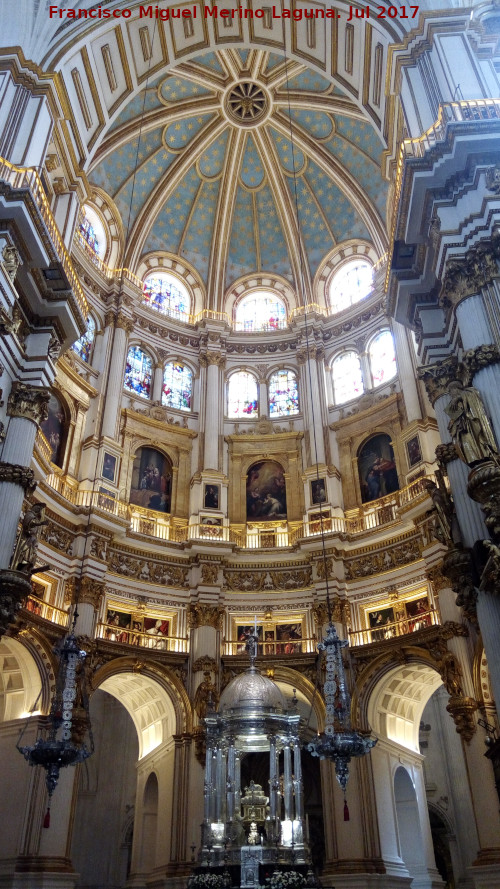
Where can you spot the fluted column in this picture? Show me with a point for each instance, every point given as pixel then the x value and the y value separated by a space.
pixel 313 393
pixel 27 407
pixel 214 363
pixel 158 381
pixel 287 780
pixel 123 328
pixel 406 371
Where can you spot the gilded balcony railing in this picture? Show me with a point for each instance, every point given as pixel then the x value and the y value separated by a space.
pixel 152 639
pixel 402 627
pixel 47 611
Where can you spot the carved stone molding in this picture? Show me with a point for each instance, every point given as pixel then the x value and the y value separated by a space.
pixel 199 615
pixel 438 579
pixel 468 275
pixel 18 475
pixel 209 573
pixel 205 663
pixel 212 358
pixel 480 357
pixel 28 402
pixel 384 559
pixel 124 323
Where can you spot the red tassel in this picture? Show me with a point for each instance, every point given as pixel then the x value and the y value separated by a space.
pixel 346 811
pixel 46 820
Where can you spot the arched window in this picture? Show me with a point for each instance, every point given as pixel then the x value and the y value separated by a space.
pixel 177 386
pixel 347 377
pixel 242 395
pixel 167 295
pixel 283 394
pixel 382 358
pixel 138 371
pixel 91 232
pixel 83 346
pixel 261 311
pixel 352 282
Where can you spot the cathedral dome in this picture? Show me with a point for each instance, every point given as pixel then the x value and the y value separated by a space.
pixel 251 691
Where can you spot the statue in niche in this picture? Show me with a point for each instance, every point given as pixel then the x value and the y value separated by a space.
pixel 448 530
pixel 25 550
pixel 206 697
pixel 469 425
pixel 253 836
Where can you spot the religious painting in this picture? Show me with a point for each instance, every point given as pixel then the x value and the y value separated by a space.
pixel 377 468
pixel 266 492
pixel 54 429
pixel 106 499
pixel 318 490
pixel 414 452
pixel 380 621
pixel 418 614
pixel 320 521
pixel 117 625
pixel 242 634
pixel 156 631
pixel 211 497
pixel 269 642
pixel 151 480
pixel 288 638
pixel 210 526
pixel 109 467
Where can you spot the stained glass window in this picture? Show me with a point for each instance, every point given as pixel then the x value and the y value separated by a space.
pixel 83 346
pixel 261 311
pixel 177 386
pixel 347 377
pixel 88 233
pixel 138 371
pixel 352 282
pixel 242 395
pixel 283 394
pixel 382 358
pixel 166 295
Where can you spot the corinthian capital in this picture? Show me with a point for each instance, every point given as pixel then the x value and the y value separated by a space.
pixel 437 377
pixel 29 402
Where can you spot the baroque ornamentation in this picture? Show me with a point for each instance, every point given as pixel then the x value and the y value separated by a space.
pixel 462 710
pixel 200 615
pixel 25 550
pixel 18 475
pixel 445 453
pixel 480 357
pixel 85 590
pixel 469 425
pixel 147 570
pixel 11 260
pixel 484 487
pixel 437 377
pixel 58 537
pixel 205 663
pixel 28 402
pixel 458 566
pixel 446 528
pixel 209 572
pixel 365 564
pixel 493 179
pixel 15 586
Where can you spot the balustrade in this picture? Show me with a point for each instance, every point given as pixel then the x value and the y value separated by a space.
pixel 151 639
pixel 402 627
pixel 48 612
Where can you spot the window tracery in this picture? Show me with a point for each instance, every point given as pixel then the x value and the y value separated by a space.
pixel 347 377
pixel 260 311
pixel 138 372
pixel 242 395
pixel 84 346
pixel 166 295
pixel 283 394
pixel 177 386
pixel 352 283
pixel 382 358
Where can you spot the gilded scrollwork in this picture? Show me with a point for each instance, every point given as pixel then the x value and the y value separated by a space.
pixel 384 559
pixel 147 570
pixel 209 573
pixel 58 537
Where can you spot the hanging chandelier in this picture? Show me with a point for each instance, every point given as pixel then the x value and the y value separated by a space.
pixel 339 742
pixel 63 741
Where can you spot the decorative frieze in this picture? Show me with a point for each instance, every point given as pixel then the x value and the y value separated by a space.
pixel 60 538
pixel 148 570
pixel 256 581
pixel 363 564
pixel 209 573
pixel 28 402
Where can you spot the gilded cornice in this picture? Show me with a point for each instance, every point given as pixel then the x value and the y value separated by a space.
pixel 75 377
pixel 134 421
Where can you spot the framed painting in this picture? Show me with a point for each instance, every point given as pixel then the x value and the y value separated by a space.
pixel 117 625
pixel 318 491
pixel 211 497
pixel 380 623
pixel 109 464
pixel 413 451
pixel 266 492
pixel 288 638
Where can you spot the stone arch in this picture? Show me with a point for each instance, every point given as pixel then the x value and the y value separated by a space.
pixel 154 697
pixel 27 675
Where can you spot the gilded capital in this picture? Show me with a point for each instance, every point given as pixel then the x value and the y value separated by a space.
pixel 124 323
pixel 468 275
pixel 216 358
pixel 85 590
pixel 28 402
pixel 205 616
pixel 437 377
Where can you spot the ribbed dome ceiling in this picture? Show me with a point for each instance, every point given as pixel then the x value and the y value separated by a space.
pixel 215 162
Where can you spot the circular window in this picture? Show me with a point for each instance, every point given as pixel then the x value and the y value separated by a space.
pixel 352 283
pixel 246 103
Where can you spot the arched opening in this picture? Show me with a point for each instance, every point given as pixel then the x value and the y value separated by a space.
pixel 20 682
pixel 408 820
pixel 149 824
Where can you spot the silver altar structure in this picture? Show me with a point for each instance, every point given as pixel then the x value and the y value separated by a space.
pixel 253 825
